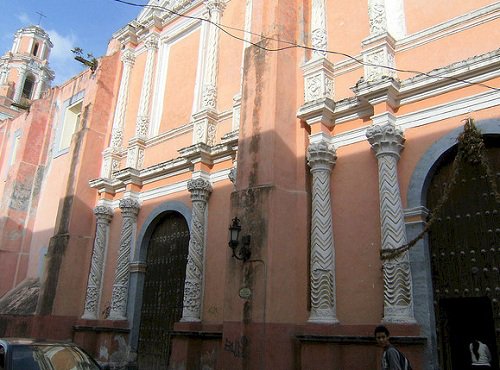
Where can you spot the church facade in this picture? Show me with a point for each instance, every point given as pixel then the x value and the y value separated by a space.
pixel 254 184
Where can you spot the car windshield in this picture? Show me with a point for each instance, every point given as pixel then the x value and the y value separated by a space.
pixel 51 357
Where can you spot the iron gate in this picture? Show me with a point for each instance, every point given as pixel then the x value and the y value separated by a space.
pixel 163 290
pixel 465 259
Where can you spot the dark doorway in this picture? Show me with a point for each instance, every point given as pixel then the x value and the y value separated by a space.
pixel 163 290
pixel 463 320
pixel 465 256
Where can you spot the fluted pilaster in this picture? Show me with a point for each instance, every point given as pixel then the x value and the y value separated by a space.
pixel 200 190
pixel 103 218
pixel 321 157
pixel 387 142
pixel 209 94
pixel 319 32
pixel 130 209
pixel 141 129
pixel 128 60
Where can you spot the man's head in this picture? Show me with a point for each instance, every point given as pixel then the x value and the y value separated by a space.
pixel 382 336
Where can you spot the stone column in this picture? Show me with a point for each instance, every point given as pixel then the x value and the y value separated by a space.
pixel 119 297
pixel 205 121
pixel 4 73
pixel 200 190
pixel 20 84
pixel 104 215
pixel 111 157
pixel 387 142
pixel 39 87
pixel 138 143
pixel 321 158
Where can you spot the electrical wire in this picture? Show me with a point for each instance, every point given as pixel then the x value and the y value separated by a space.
pixel 294 45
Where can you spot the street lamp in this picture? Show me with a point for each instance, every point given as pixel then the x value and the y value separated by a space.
pixel 243 253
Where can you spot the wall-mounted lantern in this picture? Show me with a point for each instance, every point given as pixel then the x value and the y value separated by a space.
pixel 242 253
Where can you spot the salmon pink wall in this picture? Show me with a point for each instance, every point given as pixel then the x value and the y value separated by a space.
pixel 181 78
pixel 436 12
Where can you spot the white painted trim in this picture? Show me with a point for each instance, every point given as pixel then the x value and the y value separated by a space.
pixel 437 113
pixel 431 34
pixel 167 40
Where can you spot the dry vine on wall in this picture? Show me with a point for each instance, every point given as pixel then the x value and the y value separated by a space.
pixel 471 150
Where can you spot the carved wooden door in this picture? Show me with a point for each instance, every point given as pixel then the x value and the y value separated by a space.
pixel 163 290
pixel 465 259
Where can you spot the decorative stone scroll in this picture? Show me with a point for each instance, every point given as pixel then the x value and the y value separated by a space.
pixel 209 94
pixel 119 297
pixel 104 215
pixel 200 190
pixel 321 157
pixel 319 34
pixel 387 142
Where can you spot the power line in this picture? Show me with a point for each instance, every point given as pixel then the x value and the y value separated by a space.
pixel 293 45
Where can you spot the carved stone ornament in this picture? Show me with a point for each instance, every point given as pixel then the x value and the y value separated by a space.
pixel 387 142
pixel 209 99
pixel 151 42
pixel 385 139
pixel 129 207
pixel 193 288
pixel 321 157
pixel 377 15
pixel 215 5
pixel 128 58
pixel 91 308
pixel 200 189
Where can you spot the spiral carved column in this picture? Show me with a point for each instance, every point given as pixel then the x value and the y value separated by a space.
pixel 119 297
pixel 200 190
pixel 387 142
pixel 104 215
pixel 321 158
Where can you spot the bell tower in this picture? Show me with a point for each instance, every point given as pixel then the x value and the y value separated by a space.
pixel 24 70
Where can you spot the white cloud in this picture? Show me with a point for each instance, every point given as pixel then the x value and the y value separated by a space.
pixel 24 19
pixel 61 59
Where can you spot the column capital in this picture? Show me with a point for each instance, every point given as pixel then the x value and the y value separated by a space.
pixel 151 42
pixel 200 189
pixel 216 5
pixel 129 206
pixel 385 138
pixel 128 57
pixel 104 213
pixel 321 156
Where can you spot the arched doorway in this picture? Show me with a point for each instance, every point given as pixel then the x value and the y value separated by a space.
pixel 163 290
pixel 464 245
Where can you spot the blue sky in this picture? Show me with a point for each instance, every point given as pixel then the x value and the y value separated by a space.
pixel 88 24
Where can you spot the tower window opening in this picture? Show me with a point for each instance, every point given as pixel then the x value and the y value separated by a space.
pixel 28 87
pixel 35 49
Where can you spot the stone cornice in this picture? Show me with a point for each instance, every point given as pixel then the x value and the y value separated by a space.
pixel 184 163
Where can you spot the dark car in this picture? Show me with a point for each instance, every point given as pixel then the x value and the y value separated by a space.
pixel 30 354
